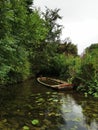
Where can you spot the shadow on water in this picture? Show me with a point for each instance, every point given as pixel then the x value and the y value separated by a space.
pixel 23 103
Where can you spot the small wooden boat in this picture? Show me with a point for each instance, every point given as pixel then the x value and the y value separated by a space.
pixel 54 83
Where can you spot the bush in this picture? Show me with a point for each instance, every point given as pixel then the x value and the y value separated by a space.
pixel 86 79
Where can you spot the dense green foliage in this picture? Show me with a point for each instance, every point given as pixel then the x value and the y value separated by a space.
pixel 87 77
pixel 21 31
pixel 25 37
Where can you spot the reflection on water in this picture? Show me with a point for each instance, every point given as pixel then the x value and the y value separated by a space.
pixel 74 116
pixel 72 113
pixel 22 103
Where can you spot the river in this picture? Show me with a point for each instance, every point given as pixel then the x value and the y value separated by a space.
pixel 31 106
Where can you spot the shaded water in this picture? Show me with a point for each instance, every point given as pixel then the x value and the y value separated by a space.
pixel 23 103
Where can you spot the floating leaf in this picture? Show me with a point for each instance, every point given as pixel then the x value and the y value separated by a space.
pixel 39 104
pixel 55 100
pixel 66 111
pixel 54 92
pixel 35 122
pixel 54 114
pixel 41 114
pixel 26 128
pixel 40 100
pixel 51 114
pixel 77 119
pixel 39 94
pixel 50 99
pixel 47 92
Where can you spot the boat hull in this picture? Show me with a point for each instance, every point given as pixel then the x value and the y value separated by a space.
pixel 58 84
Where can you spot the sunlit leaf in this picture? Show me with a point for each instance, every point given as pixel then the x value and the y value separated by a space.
pixel 35 122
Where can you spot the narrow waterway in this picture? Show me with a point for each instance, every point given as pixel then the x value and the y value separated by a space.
pixel 52 110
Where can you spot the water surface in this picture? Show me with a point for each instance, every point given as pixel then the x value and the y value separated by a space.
pixel 54 110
